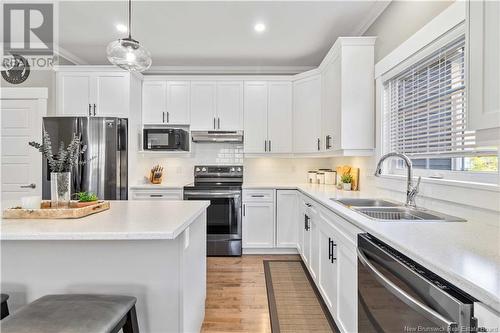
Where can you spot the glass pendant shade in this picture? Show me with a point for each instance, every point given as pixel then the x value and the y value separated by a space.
pixel 128 54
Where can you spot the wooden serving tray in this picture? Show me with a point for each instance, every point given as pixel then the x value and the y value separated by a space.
pixel 55 213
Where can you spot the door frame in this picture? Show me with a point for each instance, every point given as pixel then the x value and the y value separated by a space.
pixel 40 94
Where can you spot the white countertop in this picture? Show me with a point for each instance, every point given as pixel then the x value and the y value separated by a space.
pixel 466 254
pixel 132 220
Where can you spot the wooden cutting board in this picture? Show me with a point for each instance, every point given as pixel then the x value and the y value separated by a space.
pixel 351 170
pixel 55 213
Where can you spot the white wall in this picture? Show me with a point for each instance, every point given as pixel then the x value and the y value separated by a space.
pixel 400 20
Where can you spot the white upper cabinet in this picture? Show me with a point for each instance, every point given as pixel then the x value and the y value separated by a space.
pixel 229 105
pixel 268 117
pixel 255 114
pixel 73 94
pixel 484 65
pixel 279 117
pixel 348 114
pixel 203 112
pixel 111 94
pixel 89 93
pixel 154 102
pixel 307 115
pixel 178 101
pixel 217 105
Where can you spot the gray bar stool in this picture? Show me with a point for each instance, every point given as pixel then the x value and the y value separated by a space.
pixel 74 313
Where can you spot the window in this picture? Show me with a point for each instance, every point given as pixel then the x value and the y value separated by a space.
pixel 425 114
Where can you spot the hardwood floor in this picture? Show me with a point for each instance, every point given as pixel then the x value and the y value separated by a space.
pixel 236 294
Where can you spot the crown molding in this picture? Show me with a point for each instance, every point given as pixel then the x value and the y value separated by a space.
pixel 231 70
pixel 377 9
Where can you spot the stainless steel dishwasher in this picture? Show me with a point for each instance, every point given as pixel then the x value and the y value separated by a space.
pixel 395 294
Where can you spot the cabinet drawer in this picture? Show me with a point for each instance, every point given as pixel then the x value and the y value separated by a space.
pixel 258 195
pixel 156 194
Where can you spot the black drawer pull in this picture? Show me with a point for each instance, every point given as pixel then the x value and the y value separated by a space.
pixel 156 195
pixel 257 195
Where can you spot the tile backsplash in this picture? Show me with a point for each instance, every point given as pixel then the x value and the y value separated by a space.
pixel 218 153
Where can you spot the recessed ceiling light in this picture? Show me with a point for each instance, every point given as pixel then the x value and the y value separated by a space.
pixel 260 27
pixel 121 28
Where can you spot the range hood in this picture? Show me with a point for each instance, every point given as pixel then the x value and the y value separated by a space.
pixel 217 136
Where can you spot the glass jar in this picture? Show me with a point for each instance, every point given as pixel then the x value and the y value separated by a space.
pixel 60 189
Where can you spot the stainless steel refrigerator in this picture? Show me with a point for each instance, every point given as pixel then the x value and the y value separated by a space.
pixel 106 174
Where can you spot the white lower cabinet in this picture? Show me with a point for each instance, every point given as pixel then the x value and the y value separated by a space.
pixel 327 245
pixel 286 218
pixel 258 224
pixel 156 194
pixel 327 267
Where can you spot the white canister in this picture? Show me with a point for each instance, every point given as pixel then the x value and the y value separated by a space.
pixel 330 177
pixel 320 177
pixel 311 177
pixel 31 202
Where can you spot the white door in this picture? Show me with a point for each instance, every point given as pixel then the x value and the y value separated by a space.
pixel 178 99
pixel 314 247
pixel 279 117
pixel 327 277
pixel 258 225
pixel 21 164
pixel 154 102
pixel 331 111
pixel 484 67
pixel 255 113
pixel 306 115
pixel 73 94
pixel 306 244
pixel 230 105
pixel 203 114
pixel 111 95
pixel 286 218
pixel 347 286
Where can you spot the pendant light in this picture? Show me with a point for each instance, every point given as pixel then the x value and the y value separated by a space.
pixel 127 53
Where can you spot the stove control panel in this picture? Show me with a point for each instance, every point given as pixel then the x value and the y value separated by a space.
pixel 218 170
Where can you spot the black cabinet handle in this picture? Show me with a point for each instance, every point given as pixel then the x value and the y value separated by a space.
pixel 308 204
pixel 90 109
pixel 94 109
pixel 214 123
pixel 269 145
pixel 330 252
pixel 163 117
pixel 168 117
pixel 306 222
pixel 331 245
pixel 243 210
pixel 218 122
pixel 328 139
pixel 257 195
pixel 156 195
pixel 319 147
pixel 265 145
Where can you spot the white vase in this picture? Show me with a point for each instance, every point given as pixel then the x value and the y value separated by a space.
pixel 60 189
pixel 346 186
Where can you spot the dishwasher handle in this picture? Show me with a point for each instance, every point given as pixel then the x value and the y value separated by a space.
pixel 416 305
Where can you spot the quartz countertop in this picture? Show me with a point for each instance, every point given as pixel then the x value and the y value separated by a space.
pixel 125 220
pixel 467 254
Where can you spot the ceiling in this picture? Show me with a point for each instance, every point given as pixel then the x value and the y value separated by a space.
pixel 208 33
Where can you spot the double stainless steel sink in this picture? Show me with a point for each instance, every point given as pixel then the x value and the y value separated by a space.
pixel 384 210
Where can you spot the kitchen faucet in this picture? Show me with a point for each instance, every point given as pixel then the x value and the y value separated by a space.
pixel 411 190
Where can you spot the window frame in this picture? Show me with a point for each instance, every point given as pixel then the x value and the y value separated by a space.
pixel 491 178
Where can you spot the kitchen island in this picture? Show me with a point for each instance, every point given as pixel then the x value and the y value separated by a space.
pixel 155 251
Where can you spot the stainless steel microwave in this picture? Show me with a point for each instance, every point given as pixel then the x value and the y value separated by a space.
pixel 165 139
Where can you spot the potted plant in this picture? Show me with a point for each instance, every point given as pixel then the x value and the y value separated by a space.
pixel 85 199
pixel 60 165
pixel 346 180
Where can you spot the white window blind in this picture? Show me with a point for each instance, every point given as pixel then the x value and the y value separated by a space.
pixel 425 106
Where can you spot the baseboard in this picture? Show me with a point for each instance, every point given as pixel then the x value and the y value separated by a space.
pixel 270 251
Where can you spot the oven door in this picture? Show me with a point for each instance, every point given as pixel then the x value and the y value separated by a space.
pixel 393 297
pixel 223 219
